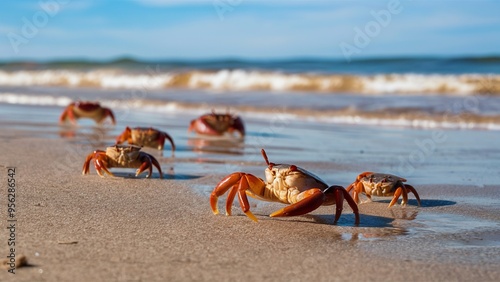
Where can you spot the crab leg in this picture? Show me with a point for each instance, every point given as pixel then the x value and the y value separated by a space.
pixel 230 199
pixel 309 200
pixel 352 204
pixel 358 189
pixel 158 167
pixel 86 164
pixel 71 115
pixel 395 197
pixel 239 183
pixel 338 193
pixel 108 112
pixel 349 188
pixel 145 165
pixel 162 138
pixel 63 116
pixel 339 200
pixel 242 197
pixel 412 189
pixel 239 126
pixel 400 190
pixel 221 188
pixel 100 165
pixel 68 114
pixel 124 136
pixel 97 156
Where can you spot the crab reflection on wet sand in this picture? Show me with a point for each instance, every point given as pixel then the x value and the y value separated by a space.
pixel 219 145
pixel 288 184
pixel 382 185
pixel 97 135
pixel 121 156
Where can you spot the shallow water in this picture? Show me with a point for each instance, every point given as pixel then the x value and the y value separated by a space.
pixel 410 110
pixel 336 153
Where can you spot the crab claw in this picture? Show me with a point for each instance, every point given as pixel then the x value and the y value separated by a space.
pixel 99 158
pixel 201 126
pixel 108 113
pixel 161 141
pixel 68 114
pixel 239 126
pixel 126 134
pixel 308 201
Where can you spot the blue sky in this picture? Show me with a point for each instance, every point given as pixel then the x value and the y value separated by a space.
pixel 205 29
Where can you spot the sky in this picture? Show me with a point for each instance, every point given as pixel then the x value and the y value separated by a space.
pixel 247 29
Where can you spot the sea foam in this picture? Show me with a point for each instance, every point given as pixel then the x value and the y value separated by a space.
pixel 238 80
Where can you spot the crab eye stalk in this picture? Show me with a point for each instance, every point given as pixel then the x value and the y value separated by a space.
pixel 265 157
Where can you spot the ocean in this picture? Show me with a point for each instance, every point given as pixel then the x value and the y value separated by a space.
pixel 459 93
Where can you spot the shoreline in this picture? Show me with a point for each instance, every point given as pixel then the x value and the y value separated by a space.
pixel 155 230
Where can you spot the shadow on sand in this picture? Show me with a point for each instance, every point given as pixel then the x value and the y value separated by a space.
pixel 426 203
pixel 156 175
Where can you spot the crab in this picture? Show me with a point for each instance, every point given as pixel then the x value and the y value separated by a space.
pixel 383 185
pixel 217 124
pixel 86 109
pixel 143 136
pixel 129 156
pixel 287 184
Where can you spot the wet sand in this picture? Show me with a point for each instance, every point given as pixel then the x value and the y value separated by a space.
pixel 83 228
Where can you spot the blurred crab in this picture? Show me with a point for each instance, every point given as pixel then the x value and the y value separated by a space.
pixel 143 136
pixel 82 109
pixel 287 184
pixel 217 124
pixel 383 185
pixel 121 156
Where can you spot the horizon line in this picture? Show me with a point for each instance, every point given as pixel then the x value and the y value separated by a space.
pixel 137 59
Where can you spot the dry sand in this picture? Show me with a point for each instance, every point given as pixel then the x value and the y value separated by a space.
pixel 86 228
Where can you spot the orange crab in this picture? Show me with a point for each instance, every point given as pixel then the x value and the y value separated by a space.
pixel 383 185
pixel 86 109
pixel 143 136
pixel 121 156
pixel 217 124
pixel 287 184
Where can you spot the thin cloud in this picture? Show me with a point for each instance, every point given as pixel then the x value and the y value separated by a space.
pixel 164 3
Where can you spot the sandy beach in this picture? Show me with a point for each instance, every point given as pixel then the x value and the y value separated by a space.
pixel 87 228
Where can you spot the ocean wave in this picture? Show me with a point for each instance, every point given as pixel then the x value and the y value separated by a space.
pixel 40 100
pixel 400 117
pixel 252 80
